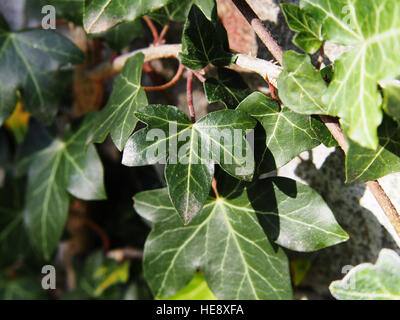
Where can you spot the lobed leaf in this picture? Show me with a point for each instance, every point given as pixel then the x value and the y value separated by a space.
pixel 229 88
pixel 204 42
pixel 117 117
pixel 301 86
pixel 193 150
pixel 372 30
pixel 224 241
pixel 308 37
pixel 287 133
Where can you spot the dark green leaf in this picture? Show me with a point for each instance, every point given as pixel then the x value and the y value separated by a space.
pixel 308 37
pixel 229 88
pixel 204 42
pixel 364 164
pixel 294 215
pixel 100 15
pixel 380 281
pixel 29 63
pixel 391 101
pixel 287 133
pixel 117 117
pixel 193 150
pixel 224 241
pixel 207 7
pixel 173 11
pixel 63 165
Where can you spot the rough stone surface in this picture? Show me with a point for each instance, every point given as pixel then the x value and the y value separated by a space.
pixel 367 235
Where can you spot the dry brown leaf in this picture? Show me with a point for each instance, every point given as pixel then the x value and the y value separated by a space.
pixel 241 36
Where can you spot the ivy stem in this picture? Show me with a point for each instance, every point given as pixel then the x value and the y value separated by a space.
pixel 214 187
pixel 169 84
pixel 189 94
pixel 163 33
pixel 263 33
pixel 321 57
pixel 152 28
pixel 331 123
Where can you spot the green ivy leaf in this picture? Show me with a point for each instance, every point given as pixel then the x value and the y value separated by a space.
pixel 224 241
pixel 353 93
pixel 364 164
pixel 301 86
pixel 287 133
pixel 117 117
pixel 229 88
pixel 29 63
pixel 189 171
pixel 173 11
pixel 100 15
pixel 366 281
pixel 204 42
pixel 179 10
pixel 294 215
pixel 63 165
pixel 207 7
pixel 123 34
pixel 391 100
pixel 197 289
pixel 308 37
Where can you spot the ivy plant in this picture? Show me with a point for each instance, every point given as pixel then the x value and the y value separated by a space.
pixel 210 218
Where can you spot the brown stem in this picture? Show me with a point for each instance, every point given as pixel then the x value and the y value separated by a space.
pixel 333 126
pixel 272 90
pixel 102 234
pixel 214 187
pixel 189 94
pixel 152 28
pixel 163 33
pixel 260 29
pixel 321 57
pixel 199 76
pixel 169 84
pixel 385 203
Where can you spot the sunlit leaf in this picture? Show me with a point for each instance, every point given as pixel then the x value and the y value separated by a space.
pixel 380 281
